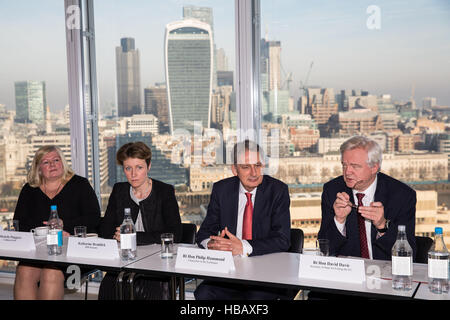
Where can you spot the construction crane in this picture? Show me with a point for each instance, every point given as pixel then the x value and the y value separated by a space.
pixel 303 85
pixel 287 82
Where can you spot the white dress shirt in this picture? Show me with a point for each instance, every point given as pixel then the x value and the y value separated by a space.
pixel 247 248
pixel 369 196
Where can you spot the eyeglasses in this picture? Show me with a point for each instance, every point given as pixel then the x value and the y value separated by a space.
pixel 47 163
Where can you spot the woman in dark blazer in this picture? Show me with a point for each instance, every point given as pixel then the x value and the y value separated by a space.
pixel 154 208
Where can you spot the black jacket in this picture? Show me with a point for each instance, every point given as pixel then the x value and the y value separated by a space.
pixel 160 213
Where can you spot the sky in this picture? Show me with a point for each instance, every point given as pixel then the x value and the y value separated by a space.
pixel 409 52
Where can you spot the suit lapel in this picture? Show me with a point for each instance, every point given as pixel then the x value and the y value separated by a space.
pixel 234 203
pixel 260 204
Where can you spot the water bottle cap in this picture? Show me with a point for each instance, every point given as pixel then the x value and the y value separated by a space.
pixel 53 207
pixel 401 228
pixel 438 230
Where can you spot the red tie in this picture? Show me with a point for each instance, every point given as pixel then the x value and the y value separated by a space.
pixel 362 230
pixel 248 213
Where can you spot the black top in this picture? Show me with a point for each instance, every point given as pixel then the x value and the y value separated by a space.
pixel 77 205
pixel 159 211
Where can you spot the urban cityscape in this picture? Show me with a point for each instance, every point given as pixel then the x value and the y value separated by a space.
pixel 189 121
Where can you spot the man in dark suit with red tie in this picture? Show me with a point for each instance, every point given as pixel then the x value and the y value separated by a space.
pixel 362 209
pixel 248 214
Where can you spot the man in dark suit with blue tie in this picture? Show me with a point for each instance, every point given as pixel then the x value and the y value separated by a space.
pixel 362 209
pixel 248 214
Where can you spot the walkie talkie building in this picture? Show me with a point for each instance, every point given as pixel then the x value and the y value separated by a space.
pixel 189 73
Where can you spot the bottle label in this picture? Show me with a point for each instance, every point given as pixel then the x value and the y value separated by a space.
pixel 437 268
pixel 55 237
pixel 128 241
pixel 401 266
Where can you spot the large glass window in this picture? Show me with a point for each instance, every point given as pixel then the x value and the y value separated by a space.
pixel 333 69
pixel 33 92
pixel 165 77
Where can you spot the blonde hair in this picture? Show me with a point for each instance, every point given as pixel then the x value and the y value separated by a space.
pixel 35 178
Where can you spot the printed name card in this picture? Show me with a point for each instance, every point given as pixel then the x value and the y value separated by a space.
pixel 17 241
pixel 204 260
pixel 332 269
pixel 93 248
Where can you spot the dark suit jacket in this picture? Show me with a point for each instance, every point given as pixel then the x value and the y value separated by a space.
pixel 160 213
pixel 271 217
pixel 399 203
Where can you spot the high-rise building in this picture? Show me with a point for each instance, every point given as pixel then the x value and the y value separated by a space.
pixel 204 14
pixel 155 102
pixel 128 78
pixel 31 102
pixel 189 73
pixel 271 63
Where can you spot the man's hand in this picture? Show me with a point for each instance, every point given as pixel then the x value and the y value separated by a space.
pixel 232 244
pixel 375 213
pixel 342 206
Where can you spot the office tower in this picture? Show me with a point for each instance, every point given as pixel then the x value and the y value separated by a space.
pixel 155 102
pixel 189 73
pixel 128 78
pixel 271 63
pixel 221 60
pixel 204 14
pixel 30 101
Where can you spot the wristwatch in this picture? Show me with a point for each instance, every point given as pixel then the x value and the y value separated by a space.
pixel 386 227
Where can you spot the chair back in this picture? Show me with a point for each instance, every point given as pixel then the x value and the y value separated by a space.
pixel 423 244
pixel 189 233
pixel 297 239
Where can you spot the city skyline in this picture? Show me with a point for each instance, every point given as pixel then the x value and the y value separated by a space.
pixel 408 53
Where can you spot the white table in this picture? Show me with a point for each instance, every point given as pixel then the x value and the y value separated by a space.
pixel 275 270
pixel 41 256
pixel 424 294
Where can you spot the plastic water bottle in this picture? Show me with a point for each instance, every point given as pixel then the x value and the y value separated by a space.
pixel 127 237
pixel 438 264
pixel 55 233
pixel 402 263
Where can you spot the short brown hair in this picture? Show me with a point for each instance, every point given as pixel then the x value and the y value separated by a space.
pixel 137 150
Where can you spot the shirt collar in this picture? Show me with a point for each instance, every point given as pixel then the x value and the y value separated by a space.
pixel 370 191
pixel 242 189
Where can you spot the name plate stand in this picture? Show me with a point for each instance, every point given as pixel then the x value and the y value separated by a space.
pixel 92 248
pixel 204 260
pixel 17 241
pixel 332 269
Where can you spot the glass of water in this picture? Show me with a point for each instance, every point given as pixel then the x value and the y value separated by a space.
pixel 80 231
pixel 167 245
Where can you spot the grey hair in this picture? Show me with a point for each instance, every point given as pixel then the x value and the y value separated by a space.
pixel 374 151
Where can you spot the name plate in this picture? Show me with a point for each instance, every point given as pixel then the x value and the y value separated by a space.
pixel 17 241
pixel 332 269
pixel 204 260
pixel 92 248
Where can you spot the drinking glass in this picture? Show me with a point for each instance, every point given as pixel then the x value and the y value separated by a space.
pixel 323 245
pixel 167 245
pixel 80 231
